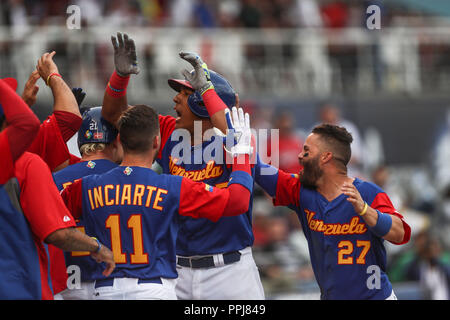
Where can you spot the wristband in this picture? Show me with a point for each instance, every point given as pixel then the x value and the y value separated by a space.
pixel 99 245
pixel 117 85
pixel 384 223
pixel 213 103
pixel 363 212
pixel 50 76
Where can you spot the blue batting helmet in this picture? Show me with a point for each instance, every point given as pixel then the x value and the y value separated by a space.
pixel 195 102
pixel 95 129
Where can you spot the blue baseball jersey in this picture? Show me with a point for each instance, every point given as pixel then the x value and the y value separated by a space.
pixel 202 236
pixel 348 260
pixel 135 212
pixel 64 178
pixel 20 276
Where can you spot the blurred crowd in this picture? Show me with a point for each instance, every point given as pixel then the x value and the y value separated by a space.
pixel 203 13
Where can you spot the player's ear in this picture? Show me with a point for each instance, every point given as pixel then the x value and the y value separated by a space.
pixel 326 157
pixel 157 142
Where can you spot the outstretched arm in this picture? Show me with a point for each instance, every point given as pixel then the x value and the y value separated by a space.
pixel 125 62
pixel 22 125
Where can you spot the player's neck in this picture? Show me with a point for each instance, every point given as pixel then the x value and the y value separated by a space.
pixel 330 184
pixel 138 160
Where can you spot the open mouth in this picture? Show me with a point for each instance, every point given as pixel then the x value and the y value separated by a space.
pixel 178 118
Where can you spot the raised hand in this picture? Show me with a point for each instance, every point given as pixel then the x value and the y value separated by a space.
pixel 200 79
pixel 125 58
pixel 46 66
pixel 30 91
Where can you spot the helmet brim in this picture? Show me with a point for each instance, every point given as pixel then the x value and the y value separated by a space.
pixel 177 84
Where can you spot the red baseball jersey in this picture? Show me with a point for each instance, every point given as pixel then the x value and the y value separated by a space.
pixel 43 209
pixel 49 144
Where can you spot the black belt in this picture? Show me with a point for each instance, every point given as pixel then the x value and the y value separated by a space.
pixel 109 282
pixel 208 261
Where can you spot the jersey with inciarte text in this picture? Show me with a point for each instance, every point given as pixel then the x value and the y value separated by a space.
pixel 135 212
pixel 348 260
pixel 87 265
pixel 202 236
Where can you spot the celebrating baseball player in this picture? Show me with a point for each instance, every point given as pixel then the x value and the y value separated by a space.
pixel 345 220
pixel 137 211
pixel 214 259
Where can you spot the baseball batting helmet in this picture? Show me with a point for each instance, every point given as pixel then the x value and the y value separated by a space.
pixel 95 129
pixel 195 102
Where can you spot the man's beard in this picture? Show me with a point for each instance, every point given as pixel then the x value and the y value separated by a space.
pixel 310 173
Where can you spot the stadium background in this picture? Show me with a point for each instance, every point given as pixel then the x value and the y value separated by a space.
pixel 283 57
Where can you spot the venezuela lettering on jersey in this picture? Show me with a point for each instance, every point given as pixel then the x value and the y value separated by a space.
pixel 328 229
pixel 211 171
pixel 127 194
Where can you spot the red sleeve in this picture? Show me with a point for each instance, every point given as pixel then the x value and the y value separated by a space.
pixel 40 199
pixel 49 144
pixel 73 159
pixel 383 204
pixel 68 123
pixel 200 200
pixel 166 127
pixel 288 190
pixel 23 124
pixel 238 200
pixel 213 103
pixel 6 160
pixel 72 197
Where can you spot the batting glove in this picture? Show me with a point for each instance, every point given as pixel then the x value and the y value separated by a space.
pixel 79 95
pixel 200 78
pixel 125 59
pixel 240 128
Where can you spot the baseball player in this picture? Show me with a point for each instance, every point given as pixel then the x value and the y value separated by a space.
pixel 137 211
pixel 23 125
pixel 214 259
pixel 100 152
pixel 31 218
pixel 345 220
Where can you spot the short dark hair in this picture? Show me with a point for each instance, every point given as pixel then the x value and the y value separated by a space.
pixel 137 127
pixel 338 139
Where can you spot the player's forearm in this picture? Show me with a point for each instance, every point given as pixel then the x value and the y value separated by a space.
pixel 240 187
pixel 64 100
pixel 115 98
pixel 215 107
pixel 238 201
pixel 266 176
pixel 394 234
pixel 70 239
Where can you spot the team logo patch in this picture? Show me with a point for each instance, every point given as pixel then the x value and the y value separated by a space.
pixel 294 175
pixel 98 135
pixel 208 188
pixel 91 164
pixel 127 171
pixel 88 134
